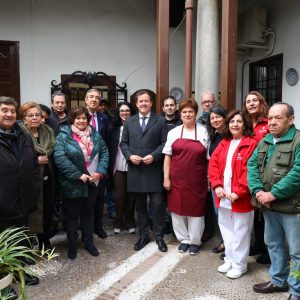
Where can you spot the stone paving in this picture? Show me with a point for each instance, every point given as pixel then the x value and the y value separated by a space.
pixel 194 278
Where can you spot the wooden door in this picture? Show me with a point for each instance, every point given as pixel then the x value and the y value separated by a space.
pixel 9 70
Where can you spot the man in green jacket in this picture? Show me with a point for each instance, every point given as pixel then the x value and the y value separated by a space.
pixel 274 181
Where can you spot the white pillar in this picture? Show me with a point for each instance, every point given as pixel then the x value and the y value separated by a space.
pixel 207 67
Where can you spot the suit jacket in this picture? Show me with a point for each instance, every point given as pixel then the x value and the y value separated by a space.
pixel 112 144
pixel 144 178
pixel 102 120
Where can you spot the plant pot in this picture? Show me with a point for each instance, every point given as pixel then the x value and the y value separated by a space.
pixel 6 281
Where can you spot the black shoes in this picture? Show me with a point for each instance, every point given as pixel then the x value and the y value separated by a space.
pixel 161 245
pixel 28 261
pixel 268 288
pixel 141 243
pixel 194 249
pixel 72 253
pixel 101 233
pixel 293 297
pixel 219 249
pixel 182 248
pixel 92 249
pixel 43 241
pixel 29 279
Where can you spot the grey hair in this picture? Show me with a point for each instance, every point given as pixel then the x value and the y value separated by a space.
pixel 9 101
pixel 290 108
pixel 57 94
pixel 92 90
pixel 208 93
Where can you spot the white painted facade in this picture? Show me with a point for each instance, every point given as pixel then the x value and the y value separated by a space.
pixel 62 36
pixel 284 20
pixel 118 37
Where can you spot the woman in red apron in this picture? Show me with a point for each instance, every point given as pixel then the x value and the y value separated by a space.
pixel 185 177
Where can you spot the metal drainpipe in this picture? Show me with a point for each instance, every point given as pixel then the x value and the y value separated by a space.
pixel 189 5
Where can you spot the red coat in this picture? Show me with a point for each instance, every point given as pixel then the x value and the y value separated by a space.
pixel 239 184
pixel 261 130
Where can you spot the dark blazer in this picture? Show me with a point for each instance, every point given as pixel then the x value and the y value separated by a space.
pixel 144 178
pixel 112 144
pixel 55 122
pixel 102 120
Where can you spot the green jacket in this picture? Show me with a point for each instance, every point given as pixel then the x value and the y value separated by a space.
pixel 276 169
pixel 70 163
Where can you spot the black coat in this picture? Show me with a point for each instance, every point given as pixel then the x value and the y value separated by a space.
pixel 20 178
pixel 112 144
pixel 144 178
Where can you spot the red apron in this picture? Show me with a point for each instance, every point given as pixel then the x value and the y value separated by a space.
pixel 188 175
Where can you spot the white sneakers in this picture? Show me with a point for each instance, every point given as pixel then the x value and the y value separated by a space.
pixel 117 230
pixel 131 230
pixel 231 272
pixel 235 273
pixel 225 267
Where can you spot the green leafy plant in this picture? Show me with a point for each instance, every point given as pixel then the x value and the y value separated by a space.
pixel 293 270
pixel 12 253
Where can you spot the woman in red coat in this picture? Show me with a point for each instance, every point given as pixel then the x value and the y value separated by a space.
pixel 256 109
pixel 228 177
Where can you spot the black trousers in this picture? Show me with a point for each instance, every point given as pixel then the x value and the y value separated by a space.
pixel 99 205
pixel 48 207
pixel 18 222
pixel 80 209
pixel 210 217
pixel 259 228
pixel 157 207
pixel 124 202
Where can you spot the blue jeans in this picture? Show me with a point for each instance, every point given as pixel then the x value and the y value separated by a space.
pixel 279 229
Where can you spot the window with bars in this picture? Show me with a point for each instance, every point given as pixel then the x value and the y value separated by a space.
pixel 266 77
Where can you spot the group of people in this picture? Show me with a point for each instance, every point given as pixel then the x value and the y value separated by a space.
pixel 241 166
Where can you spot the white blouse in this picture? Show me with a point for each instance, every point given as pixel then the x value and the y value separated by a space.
pixel 175 134
pixel 226 203
pixel 120 163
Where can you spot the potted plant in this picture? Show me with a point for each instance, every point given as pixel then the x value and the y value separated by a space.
pixel 12 253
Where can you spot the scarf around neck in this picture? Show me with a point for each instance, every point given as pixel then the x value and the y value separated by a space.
pixel 45 143
pixel 83 137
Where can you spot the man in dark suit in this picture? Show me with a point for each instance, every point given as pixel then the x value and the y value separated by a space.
pixel 100 122
pixel 143 139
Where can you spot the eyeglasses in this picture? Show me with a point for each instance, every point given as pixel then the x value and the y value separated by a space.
pixel 124 110
pixel 31 116
pixel 208 102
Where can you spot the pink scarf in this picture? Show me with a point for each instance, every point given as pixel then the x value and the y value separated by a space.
pixel 83 137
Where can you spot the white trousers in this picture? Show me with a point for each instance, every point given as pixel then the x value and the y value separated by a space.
pixel 236 232
pixel 188 230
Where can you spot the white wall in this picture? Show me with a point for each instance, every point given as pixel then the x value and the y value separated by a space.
pixel 62 36
pixel 285 21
